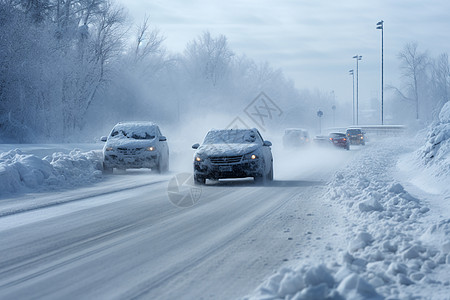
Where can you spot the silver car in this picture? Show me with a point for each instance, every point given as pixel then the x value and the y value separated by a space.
pixel 132 145
pixel 233 153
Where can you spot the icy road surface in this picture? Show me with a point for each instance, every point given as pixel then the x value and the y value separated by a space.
pixel 123 238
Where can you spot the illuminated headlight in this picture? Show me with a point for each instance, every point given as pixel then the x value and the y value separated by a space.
pixel 151 148
pixel 251 156
pixel 109 149
pixel 198 159
pixel 362 137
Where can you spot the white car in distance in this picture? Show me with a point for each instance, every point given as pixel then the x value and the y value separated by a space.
pixel 133 145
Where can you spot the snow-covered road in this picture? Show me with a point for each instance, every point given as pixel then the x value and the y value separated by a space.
pixel 123 238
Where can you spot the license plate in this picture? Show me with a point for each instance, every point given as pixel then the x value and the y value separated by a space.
pixel 129 159
pixel 225 168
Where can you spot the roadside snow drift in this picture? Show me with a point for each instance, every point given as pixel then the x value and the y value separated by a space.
pixel 394 249
pixel 436 152
pixel 21 172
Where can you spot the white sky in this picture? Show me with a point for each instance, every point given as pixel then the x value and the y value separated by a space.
pixel 312 41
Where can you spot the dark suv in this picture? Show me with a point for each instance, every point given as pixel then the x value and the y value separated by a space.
pixel 356 136
pixel 233 153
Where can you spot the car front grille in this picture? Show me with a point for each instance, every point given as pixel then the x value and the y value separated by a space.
pixel 128 151
pixel 224 160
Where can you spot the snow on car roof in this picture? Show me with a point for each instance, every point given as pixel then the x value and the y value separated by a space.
pixel 294 129
pixel 231 136
pixel 137 130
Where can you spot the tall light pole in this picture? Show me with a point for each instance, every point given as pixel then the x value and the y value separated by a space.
pixel 380 26
pixel 353 91
pixel 358 58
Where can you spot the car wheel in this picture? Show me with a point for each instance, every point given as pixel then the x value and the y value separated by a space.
pixel 160 167
pixel 107 170
pixel 199 180
pixel 258 179
pixel 270 175
pixel 166 166
pixel 163 167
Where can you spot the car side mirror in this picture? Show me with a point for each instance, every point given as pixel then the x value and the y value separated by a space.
pixel 103 138
pixel 162 138
pixel 195 146
pixel 267 143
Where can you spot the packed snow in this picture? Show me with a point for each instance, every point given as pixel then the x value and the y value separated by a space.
pixel 21 172
pixel 398 243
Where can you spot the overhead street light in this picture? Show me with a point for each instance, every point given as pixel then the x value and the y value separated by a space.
pixel 358 58
pixel 380 25
pixel 353 92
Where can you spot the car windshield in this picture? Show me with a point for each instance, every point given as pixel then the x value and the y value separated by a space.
pixel 354 131
pixel 233 136
pixel 337 135
pixel 294 133
pixel 134 132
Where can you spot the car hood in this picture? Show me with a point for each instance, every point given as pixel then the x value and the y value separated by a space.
pixel 226 149
pixel 130 143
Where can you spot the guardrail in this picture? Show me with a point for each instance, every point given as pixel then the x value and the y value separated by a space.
pixel 374 130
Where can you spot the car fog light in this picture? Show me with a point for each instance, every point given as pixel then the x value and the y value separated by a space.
pixel 150 148
pixel 253 156
pixel 198 159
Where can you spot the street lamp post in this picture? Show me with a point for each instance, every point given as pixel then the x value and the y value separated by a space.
pixel 381 26
pixel 320 114
pixel 358 58
pixel 353 92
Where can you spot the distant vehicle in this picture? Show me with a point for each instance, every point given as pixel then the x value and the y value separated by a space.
pixel 356 136
pixel 321 140
pixel 295 137
pixel 339 140
pixel 233 153
pixel 132 145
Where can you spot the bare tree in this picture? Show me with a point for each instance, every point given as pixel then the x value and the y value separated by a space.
pixel 209 57
pixel 148 41
pixel 440 81
pixel 413 65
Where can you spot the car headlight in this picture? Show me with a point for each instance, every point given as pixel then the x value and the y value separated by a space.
pixel 251 156
pixel 151 148
pixel 198 159
pixel 109 148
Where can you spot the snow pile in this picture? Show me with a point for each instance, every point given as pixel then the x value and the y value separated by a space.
pixel 21 172
pixel 392 251
pixel 436 152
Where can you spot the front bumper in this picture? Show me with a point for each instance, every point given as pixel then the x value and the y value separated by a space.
pixel 143 160
pixel 356 140
pixel 208 170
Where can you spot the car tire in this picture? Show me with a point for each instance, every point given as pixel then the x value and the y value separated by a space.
pixel 160 167
pixel 258 179
pixel 107 170
pixel 199 180
pixel 166 166
pixel 270 175
pixel 163 167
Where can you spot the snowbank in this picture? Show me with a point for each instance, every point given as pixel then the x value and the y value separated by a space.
pixel 394 249
pixel 436 152
pixel 21 172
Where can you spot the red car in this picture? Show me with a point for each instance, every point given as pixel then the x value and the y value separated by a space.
pixel 339 140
